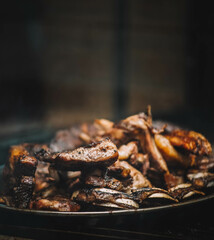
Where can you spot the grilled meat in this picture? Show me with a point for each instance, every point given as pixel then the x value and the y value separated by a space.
pixel 103 153
pixel 204 163
pixel 22 193
pixel 152 196
pixel 184 192
pixel 107 182
pixel 138 180
pixel 131 153
pixel 19 176
pixel 56 203
pixel 82 169
pixel 201 180
pixel 67 139
pixel 170 154
pixel 190 141
pixel 105 197
pixel 140 126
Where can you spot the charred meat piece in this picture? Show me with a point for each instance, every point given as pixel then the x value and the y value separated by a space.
pixel 130 153
pixel 25 165
pixel 172 180
pixel 44 153
pixel 204 163
pixel 118 170
pixel 19 176
pixel 68 139
pixel 184 191
pixel 107 182
pixel 152 197
pixel 140 126
pixel 138 180
pixel 103 153
pixel 190 141
pixel 201 179
pixel 170 154
pixel 103 128
pixel 23 192
pixel 104 178
pixel 56 203
pixel 105 197
pixel 42 177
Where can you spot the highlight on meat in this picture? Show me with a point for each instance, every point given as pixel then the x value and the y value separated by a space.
pixel 104 165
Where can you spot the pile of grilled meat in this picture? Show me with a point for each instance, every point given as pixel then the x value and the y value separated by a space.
pixel 106 166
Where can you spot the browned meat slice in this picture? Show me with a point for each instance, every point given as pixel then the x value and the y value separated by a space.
pixel 103 153
pixel 105 197
pixel 201 179
pixel 19 176
pixel 125 151
pixel 68 139
pixel 23 191
pixel 152 197
pixel 184 191
pixel 100 129
pixel 138 180
pixel 170 154
pixel 43 153
pixel 190 141
pixel 107 182
pixel 205 163
pixel 56 203
pixel 42 177
pixel 140 126
pixel 118 170
pixel 130 153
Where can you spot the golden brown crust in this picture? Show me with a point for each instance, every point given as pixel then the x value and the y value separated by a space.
pixel 190 141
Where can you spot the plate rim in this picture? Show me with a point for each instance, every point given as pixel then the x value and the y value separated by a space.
pixel 108 213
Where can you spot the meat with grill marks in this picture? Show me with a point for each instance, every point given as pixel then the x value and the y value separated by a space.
pixel 19 176
pixel 101 154
pixel 141 128
pixel 104 197
pixel 138 180
pixel 56 203
pixel 107 165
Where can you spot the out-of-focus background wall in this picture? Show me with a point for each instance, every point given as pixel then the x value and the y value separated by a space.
pixel 63 62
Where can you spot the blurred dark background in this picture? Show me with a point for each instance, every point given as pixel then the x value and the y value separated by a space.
pixel 63 62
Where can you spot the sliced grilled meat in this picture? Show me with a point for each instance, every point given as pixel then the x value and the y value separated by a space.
pixel 140 126
pixel 101 154
pixel 201 180
pixel 107 182
pixel 138 180
pixel 19 176
pixel 204 163
pixel 105 197
pixel 67 139
pixel 22 193
pixel 152 197
pixel 131 153
pixel 190 141
pixel 170 154
pixel 56 203
pixel 184 191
